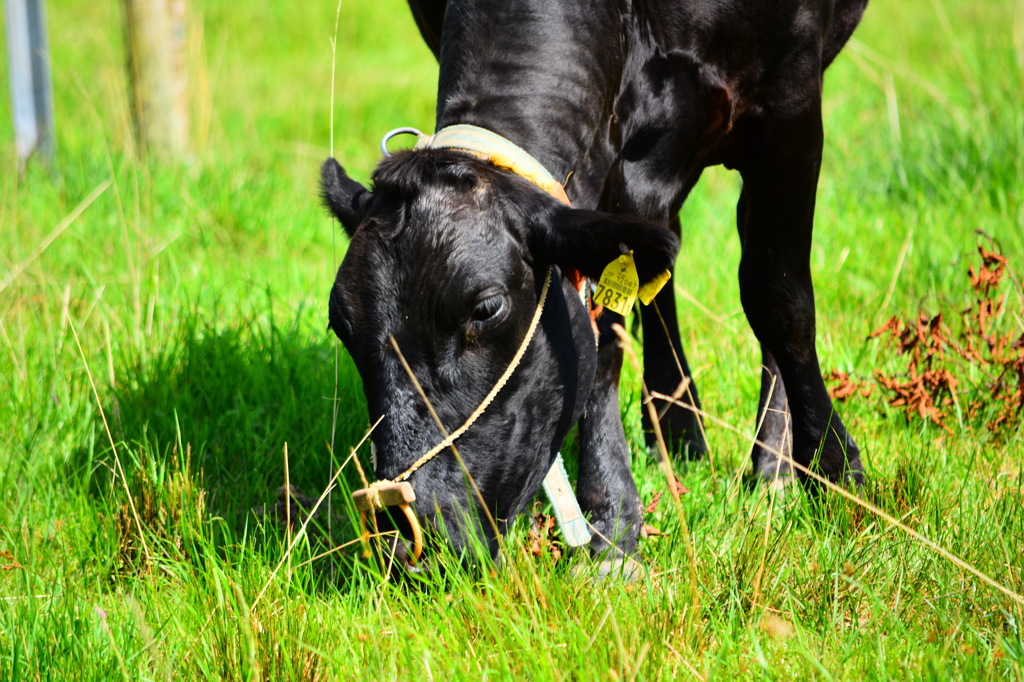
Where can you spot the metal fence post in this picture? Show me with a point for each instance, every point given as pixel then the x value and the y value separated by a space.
pixel 31 89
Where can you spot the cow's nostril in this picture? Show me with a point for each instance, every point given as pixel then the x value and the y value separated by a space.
pixel 419 568
pixel 401 557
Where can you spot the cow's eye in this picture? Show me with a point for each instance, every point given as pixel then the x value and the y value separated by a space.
pixel 490 309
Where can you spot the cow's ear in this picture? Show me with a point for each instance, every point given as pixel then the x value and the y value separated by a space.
pixel 590 240
pixel 345 197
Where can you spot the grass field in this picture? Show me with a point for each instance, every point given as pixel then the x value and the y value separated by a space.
pixel 185 307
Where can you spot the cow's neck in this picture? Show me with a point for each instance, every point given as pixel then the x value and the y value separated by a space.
pixel 535 72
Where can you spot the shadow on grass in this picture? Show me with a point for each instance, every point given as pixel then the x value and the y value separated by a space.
pixel 236 394
pixel 200 426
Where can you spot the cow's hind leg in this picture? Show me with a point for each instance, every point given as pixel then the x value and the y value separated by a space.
pixel 666 371
pixel 774 420
pixel 780 175
pixel 605 487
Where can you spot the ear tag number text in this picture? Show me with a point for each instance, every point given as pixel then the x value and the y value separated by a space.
pixel 618 285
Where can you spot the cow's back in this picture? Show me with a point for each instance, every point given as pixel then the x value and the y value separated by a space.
pixel 842 18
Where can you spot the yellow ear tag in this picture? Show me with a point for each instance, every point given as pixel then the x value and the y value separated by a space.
pixel 619 285
pixel 650 290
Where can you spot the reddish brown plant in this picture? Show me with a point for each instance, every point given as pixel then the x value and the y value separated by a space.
pixel 941 364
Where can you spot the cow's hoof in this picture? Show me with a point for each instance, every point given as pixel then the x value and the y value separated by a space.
pixel 626 569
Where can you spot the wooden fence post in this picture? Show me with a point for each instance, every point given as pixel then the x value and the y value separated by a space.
pixel 157 65
pixel 31 90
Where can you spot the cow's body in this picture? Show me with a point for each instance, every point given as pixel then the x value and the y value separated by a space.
pixel 628 102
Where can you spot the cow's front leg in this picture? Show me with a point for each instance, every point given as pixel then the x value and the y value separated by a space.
pixel 605 486
pixel 666 371
pixel 780 176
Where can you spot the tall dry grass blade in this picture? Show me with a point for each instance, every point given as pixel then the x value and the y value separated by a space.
pixel 733 488
pixel 110 357
pixel 328 552
pixel 465 472
pixel 309 517
pixel 153 299
pixel 334 402
pixel 896 273
pixel 930 544
pixel 686 664
pixel 597 630
pixel 635 668
pixel 288 511
pixel 119 470
pixel 57 231
pixel 665 463
pixel 334 248
pixel 684 386
pixel 359 469
pixel 444 434
pixel 701 307
pixel 893 111
pixel 251 671
pixel 334 68
pixel 771 502
pixel 14 353
pixel 756 598
pixel 495 389
pixel 767 402
pixel 373 517
pixel 65 307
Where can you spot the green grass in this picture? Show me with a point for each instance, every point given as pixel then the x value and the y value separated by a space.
pixel 198 293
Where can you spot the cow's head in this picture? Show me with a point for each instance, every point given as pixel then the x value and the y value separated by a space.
pixel 448 255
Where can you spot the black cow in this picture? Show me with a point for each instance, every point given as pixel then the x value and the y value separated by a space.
pixel 627 102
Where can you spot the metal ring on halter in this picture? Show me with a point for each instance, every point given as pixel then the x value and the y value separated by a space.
pixel 392 133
